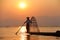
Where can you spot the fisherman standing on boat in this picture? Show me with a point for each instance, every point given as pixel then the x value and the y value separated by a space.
pixel 28 22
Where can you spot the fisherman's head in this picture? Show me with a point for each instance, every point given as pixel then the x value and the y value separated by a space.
pixel 27 18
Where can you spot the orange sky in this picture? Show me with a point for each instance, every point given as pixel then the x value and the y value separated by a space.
pixel 11 10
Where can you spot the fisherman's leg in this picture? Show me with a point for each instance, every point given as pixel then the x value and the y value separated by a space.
pixel 28 29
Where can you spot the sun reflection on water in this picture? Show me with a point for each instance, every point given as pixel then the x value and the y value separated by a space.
pixel 23 35
pixel 23 29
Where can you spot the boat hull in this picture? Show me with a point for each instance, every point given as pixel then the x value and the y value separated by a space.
pixel 46 33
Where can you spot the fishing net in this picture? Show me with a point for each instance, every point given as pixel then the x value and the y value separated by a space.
pixel 34 25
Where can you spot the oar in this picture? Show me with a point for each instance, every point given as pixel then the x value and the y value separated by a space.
pixel 19 29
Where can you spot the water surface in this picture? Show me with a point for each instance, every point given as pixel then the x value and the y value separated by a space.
pixel 8 33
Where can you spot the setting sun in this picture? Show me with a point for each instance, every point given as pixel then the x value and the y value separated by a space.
pixel 22 5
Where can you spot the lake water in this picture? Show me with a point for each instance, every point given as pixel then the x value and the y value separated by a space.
pixel 8 33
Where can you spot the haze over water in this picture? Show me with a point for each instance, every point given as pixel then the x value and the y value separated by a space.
pixel 8 33
pixel 47 12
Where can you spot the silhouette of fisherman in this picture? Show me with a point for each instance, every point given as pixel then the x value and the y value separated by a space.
pixel 28 22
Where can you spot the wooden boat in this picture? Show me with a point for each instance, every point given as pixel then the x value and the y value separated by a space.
pixel 57 33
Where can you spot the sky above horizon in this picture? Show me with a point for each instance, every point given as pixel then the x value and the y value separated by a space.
pixel 11 12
